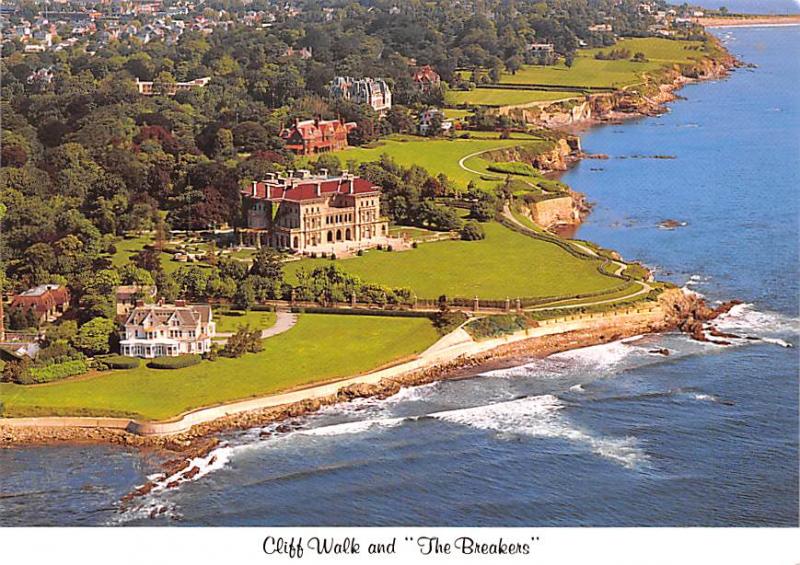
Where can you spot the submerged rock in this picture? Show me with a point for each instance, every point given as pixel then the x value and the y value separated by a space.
pixel 671 224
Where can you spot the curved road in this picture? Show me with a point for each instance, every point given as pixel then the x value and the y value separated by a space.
pixel 284 321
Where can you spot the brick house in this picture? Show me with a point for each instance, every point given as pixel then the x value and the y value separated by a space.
pixel 303 212
pixel 48 301
pixel 426 79
pixel 167 330
pixel 308 137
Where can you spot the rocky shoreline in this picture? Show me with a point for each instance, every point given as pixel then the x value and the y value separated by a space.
pixel 683 312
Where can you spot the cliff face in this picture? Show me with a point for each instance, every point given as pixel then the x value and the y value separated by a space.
pixel 649 99
pixel 555 211
pixel 554 159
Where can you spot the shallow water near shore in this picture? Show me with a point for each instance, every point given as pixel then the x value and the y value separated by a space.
pixel 613 435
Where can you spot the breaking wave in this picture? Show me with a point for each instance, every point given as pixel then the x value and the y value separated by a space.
pixel 356 427
pixel 540 416
pixel 766 325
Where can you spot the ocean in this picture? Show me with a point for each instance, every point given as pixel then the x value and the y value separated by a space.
pixel 612 435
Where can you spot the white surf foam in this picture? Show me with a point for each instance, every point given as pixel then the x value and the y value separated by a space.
pixel 745 319
pixel 347 428
pixel 706 397
pixel 412 393
pixel 539 416
pixel 601 357
pixel 577 388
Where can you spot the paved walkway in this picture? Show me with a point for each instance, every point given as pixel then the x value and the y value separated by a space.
pixel 284 321
pixel 449 348
pixel 644 287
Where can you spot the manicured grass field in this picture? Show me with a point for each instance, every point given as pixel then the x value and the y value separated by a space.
pixel 127 247
pixel 417 234
pixel 588 71
pixel 232 320
pixel 318 348
pixel 505 264
pixel 438 155
pixel 504 97
pixel 456 113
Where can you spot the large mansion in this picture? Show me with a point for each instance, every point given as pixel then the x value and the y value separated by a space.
pixel 301 212
pixel 308 137
pixel 370 91
pixel 167 330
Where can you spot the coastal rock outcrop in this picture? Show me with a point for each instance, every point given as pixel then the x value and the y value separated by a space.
pixel 689 313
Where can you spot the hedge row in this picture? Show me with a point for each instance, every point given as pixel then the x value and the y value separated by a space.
pixel 513 168
pixel 119 362
pixel 179 362
pixel 58 371
pixel 361 312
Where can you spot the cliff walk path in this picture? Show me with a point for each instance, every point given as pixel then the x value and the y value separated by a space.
pixel 284 321
pixel 450 348
pixel 463 160
pixel 620 268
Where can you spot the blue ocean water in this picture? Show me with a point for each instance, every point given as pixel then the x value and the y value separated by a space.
pixel 612 435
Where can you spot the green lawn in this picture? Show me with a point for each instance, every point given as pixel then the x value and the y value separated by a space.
pixel 456 113
pixel 318 348
pixel 232 320
pixel 439 155
pixel 417 234
pixel 127 247
pixel 504 97
pixel 505 264
pixel 587 71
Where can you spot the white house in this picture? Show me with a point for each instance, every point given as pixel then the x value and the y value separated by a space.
pixel 167 330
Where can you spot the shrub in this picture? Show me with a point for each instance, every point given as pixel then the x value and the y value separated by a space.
pixel 495 326
pixel 389 248
pixel 178 362
pixel 120 362
pixel 333 256
pixel 18 371
pixel 472 231
pixel 445 321
pixel 513 168
pixel 360 252
pixel 414 244
pixel 243 341
pixel 58 371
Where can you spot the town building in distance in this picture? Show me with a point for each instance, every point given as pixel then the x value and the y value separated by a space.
pixel 370 91
pixel 309 137
pixel 149 87
pixel 305 213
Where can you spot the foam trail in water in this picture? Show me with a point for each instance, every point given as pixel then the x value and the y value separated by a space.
pixel 539 416
pixel 356 427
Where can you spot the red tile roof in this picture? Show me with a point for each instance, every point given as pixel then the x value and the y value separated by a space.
pixel 307 190
pixel 41 298
pixel 311 130
pixel 426 74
